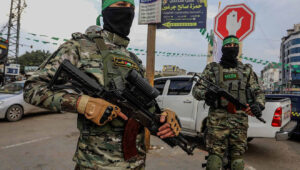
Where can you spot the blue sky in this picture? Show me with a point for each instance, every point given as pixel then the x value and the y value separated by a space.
pixel 62 17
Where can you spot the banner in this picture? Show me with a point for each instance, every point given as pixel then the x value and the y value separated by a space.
pixel 12 69
pixel 149 11
pixel 183 14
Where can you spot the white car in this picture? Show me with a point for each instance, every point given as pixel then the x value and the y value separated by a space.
pixel 12 105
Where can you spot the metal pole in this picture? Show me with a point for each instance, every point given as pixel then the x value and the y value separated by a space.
pixel 10 24
pixel 18 31
pixel 11 16
pixel 4 63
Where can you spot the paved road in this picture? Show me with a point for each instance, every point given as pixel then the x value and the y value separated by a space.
pixel 48 141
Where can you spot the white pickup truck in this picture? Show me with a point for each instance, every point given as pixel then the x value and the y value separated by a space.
pixel 176 94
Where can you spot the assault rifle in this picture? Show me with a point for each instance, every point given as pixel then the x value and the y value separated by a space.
pixel 135 100
pixel 233 102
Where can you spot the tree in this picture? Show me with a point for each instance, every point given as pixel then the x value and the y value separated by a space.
pixel 34 58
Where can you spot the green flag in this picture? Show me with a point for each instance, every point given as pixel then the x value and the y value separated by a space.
pixel 55 38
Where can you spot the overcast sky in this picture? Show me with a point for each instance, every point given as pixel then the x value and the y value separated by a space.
pixel 60 18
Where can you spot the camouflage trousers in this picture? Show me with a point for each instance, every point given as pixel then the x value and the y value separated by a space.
pixel 104 152
pixel 226 131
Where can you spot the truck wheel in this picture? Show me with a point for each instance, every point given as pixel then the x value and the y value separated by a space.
pixel 14 113
pixel 249 139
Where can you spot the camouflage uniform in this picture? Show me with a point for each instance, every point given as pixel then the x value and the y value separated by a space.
pixel 99 147
pixel 227 130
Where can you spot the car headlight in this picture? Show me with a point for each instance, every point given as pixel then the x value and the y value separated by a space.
pixel 1 102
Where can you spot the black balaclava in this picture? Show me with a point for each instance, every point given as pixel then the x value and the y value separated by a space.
pixel 118 20
pixel 229 57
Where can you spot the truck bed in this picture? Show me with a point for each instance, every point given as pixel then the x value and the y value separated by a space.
pixel 258 129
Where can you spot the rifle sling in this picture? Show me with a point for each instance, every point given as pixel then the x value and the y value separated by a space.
pixel 129 139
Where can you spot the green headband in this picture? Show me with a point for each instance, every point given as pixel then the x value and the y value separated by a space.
pixel 106 3
pixel 231 40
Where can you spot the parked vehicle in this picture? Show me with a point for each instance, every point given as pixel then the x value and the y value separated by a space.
pixel 176 94
pixel 12 105
pixel 295 99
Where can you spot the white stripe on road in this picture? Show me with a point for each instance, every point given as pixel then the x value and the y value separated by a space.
pixel 24 143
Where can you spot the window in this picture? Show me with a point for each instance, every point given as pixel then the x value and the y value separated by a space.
pixel 180 87
pixel 12 88
pixel 294 50
pixel 292 42
pixel 295 59
pixel 159 85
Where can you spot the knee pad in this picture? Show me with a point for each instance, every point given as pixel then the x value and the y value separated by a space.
pixel 214 162
pixel 237 164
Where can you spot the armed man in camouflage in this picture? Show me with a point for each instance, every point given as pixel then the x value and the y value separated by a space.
pixel 227 131
pixel 102 54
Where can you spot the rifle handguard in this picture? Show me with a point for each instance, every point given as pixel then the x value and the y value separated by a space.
pixel 97 110
pixel 172 120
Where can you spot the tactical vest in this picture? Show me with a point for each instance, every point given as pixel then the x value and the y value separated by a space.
pixel 109 67
pixel 234 80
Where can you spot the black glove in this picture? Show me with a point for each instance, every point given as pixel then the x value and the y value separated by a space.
pixel 210 98
pixel 256 109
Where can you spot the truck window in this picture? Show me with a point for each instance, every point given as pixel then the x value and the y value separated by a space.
pixel 159 85
pixel 180 87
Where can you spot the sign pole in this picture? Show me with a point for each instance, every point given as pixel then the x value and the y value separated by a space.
pixel 150 64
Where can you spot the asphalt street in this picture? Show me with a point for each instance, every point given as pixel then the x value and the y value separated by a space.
pixel 48 141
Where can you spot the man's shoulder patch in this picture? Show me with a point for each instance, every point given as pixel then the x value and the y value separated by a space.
pixel 125 62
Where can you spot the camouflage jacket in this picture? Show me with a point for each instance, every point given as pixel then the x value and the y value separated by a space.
pixel 102 148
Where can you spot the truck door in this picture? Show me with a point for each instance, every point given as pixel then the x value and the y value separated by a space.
pixel 180 100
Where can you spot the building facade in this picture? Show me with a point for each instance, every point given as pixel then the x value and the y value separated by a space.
pixel 270 79
pixel 290 59
pixel 172 70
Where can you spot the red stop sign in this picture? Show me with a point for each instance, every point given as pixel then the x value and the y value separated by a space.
pixel 237 20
